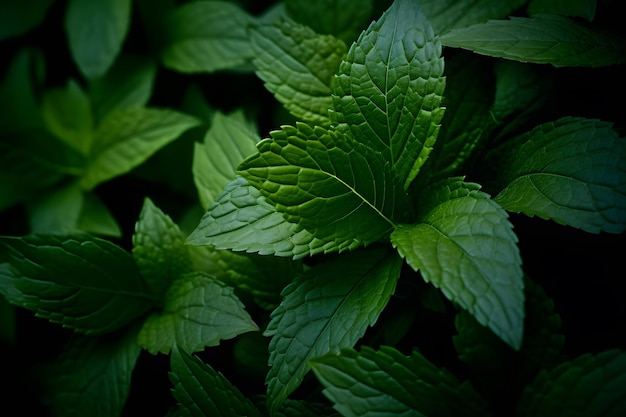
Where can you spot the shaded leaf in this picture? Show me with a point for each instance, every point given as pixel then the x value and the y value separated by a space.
pixel 572 8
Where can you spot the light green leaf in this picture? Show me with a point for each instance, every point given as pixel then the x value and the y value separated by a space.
pixel 389 89
pixel 590 386
pixel 93 376
pixel 127 84
pixel 373 383
pixel 242 220
pixel 297 66
pixel 571 171
pixel 96 31
pixel 67 113
pixel 207 36
pixel 227 143
pixel 198 311
pixel 128 137
pixel 326 184
pixel 159 249
pixel 464 244
pixel 84 283
pixel 321 314
pixel 542 39
pixel 573 8
pixel 341 18
pixel 19 17
pixel 202 391
pixel 444 15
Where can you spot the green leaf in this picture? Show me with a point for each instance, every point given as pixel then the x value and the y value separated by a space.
pixel 321 314
pixel 445 15
pixel 326 184
pixel 570 171
pixel 572 8
pixel 198 311
pixel 590 385
pixel 343 19
pixel 84 283
pixel 389 89
pixel 202 391
pixel 207 36
pixel 96 218
pixel 128 137
pixel 159 249
pixel 127 84
pixel 386 382
pixel 67 113
pixel 542 39
pixel 464 244
pixel 227 143
pixel 96 31
pixel 241 219
pixel 93 376
pixel 303 408
pixel 297 66
pixel 19 17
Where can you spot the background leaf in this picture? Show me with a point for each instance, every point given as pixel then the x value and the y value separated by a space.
pixel 321 314
pixel 576 8
pixel 570 171
pixel 463 243
pixel 388 90
pixel 96 31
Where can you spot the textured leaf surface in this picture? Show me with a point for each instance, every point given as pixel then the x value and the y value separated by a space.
pixel 373 383
pixel 128 137
pixel 388 91
pixel 572 171
pixel 590 385
pixel 202 391
pixel 159 249
pixel 96 31
pixel 207 36
pixel 326 184
pixel 242 220
pixel 328 308
pixel 227 143
pixel 464 244
pixel 199 311
pixel 93 376
pixel 542 39
pixel 297 66
pixel 84 283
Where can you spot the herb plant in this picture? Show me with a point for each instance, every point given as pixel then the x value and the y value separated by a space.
pixel 363 255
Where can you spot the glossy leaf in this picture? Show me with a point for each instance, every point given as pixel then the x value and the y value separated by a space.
pixel 570 171
pixel 388 90
pixel 321 314
pixel 463 243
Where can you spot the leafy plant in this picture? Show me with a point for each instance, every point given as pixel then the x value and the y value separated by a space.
pixel 365 257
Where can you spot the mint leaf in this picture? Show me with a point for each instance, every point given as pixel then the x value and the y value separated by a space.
pixel 464 244
pixel 87 284
pixel 590 385
pixel 297 66
pixel 227 142
pixel 202 391
pixel 326 184
pixel 96 218
pixel 542 39
pixel 575 8
pixel 67 113
pixel 444 15
pixel 320 314
pixel 342 19
pixel 570 171
pixel 127 137
pixel 207 36
pixel 198 311
pixel 96 31
pixel 93 376
pixel 159 249
pixel 17 18
pixel 242 220
pixel 389 89
pixel 386 382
